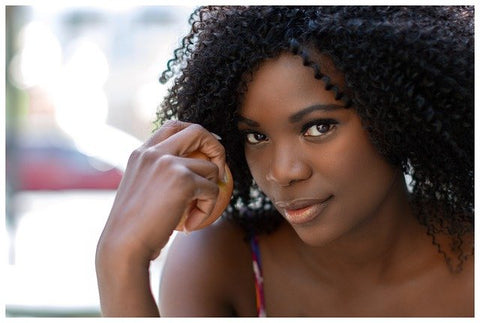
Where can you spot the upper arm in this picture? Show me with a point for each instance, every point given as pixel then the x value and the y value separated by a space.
pixel 199 274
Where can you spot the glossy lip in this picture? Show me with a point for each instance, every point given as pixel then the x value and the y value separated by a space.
pixel 301 211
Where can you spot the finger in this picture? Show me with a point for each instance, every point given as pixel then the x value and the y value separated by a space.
pixel 195 219
pixel 196 138
pixel 166 130
pixel 206 194
pixel 201 208
pixel 201 167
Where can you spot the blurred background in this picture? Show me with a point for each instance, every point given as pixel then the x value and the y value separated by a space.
pixel 81 93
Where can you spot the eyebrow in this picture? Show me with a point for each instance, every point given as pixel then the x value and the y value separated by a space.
pixel 298 116
pixel 248 122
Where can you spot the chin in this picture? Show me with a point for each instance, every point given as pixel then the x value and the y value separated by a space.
pixel 316 236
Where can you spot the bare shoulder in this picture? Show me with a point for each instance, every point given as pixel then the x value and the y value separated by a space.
pixel 462 283
pixel 454 288
pixel 208 273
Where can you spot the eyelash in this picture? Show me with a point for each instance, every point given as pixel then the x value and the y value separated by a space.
pixel 329 123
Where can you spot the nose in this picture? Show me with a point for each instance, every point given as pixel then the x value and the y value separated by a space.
pixel 288 166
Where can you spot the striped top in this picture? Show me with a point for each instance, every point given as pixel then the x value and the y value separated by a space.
pixel 257 270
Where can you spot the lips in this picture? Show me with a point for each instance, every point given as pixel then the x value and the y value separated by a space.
pixel 302 211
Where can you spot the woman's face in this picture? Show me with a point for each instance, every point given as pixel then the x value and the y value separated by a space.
pixel 309 154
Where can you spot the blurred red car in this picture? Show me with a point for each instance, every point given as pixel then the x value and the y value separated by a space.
pixel 49 166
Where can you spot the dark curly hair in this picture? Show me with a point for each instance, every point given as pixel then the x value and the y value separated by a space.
pixel 408 74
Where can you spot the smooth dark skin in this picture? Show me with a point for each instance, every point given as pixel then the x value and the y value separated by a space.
pixel 364 255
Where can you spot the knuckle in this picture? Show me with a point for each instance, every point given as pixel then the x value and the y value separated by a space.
pixel 165 161
pixel 196 128
pixel 183 180
pixel 150 154
pixel 172 124
pixel 178 177
pixel 135 155
pixel 169 128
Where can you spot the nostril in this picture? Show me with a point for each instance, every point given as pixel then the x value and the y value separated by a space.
pixel 278 181
pixel 289 174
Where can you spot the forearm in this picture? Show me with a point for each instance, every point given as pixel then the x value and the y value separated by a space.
pixel 158 189
pixel 124 287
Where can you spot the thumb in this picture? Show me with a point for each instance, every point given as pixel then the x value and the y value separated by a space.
pixel 199 213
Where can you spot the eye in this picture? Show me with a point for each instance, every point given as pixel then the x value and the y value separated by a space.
pixel 254 138
pixel 319 128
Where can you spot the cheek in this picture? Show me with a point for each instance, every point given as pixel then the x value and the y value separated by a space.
pixel 255 163
pixel 258 164
pixel 361 172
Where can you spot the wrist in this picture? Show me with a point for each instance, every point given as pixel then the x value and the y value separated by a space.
pixel 124 283
pixel 115 254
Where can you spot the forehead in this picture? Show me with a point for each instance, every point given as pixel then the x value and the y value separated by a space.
pixel 285 82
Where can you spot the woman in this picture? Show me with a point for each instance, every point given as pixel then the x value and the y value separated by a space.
pixel 321 112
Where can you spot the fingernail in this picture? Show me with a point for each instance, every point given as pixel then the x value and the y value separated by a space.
pixel 225 177
pixel 216 136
